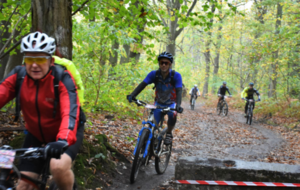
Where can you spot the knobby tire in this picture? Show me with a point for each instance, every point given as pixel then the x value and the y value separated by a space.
pixel 225 109
pixel 251 115
pixel 137 162
pixel 159 169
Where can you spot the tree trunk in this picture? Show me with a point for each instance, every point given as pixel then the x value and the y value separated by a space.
pixel 274 66
pixel 262 11
pixel 15 59
pixel 174 30
pixel 218 47
pixel 217 58
pixel 5 35
pixel 55 19
pixel 207 55
pixel 127 51
pixel 113 54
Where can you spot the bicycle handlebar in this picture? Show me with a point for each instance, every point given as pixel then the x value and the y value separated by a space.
pixel 164 109
pixel 27 153
pixel 252 99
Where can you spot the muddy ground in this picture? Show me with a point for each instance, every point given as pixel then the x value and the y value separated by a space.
pixel 203 133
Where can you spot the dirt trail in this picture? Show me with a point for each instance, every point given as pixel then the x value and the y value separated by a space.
pixel 205 134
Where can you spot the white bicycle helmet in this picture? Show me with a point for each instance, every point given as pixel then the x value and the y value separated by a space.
pixel 39 43
pixel 195 85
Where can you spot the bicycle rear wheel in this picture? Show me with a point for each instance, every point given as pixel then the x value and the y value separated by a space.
pixel 138 157
pixel 162 161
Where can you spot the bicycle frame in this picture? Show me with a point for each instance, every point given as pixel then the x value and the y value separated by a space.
pixel 151 127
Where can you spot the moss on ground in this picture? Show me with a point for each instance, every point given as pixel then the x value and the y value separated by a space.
pixel 17 142
pixel 91 159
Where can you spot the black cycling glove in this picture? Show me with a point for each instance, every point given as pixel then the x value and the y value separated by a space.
pixel 55 149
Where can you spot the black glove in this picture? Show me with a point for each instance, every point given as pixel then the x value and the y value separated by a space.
pixel 130 98
pixel 179 109
pixel 55 149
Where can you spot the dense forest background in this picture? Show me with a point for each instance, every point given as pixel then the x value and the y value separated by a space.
pixel 115 43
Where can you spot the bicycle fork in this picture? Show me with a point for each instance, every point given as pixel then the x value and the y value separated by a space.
pixel 147 143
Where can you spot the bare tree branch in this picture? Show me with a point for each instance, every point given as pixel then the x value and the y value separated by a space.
pixel 187 15
pixel 80 8
pixel 9 20
pixel 13 32
pixel 191 8
pixel 10 49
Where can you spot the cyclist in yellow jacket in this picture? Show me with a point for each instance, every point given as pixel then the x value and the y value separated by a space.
pixel 248 93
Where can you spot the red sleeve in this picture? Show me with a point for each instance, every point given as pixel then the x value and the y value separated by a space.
pixel 8 88
pixel 69 109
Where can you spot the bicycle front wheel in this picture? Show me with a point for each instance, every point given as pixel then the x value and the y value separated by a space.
pixel 225 109
pixel 250 115
pixel 138 157
pixel 162 160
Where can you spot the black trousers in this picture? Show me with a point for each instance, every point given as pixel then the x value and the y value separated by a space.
pixel 246 106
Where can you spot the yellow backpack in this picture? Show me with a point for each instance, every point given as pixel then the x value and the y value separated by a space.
pixel 69 65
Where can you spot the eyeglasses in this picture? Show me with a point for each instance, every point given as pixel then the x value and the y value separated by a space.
pixel 36 59
pixel 164 63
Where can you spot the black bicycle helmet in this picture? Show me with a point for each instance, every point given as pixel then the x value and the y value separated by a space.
pixel 251 84
pixel 224 82
pixel 165 55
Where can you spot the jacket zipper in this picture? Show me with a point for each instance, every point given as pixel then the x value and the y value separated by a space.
pixel 38 111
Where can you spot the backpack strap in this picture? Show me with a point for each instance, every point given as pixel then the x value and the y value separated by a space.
pixel 57 72
pixel 156 79
pixel 21 73
pixel 172 78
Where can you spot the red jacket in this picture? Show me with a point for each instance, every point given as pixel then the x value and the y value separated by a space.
pixel 37 105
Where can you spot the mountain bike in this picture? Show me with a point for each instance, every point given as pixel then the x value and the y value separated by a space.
pixel 222 107
pixel 193 102
pixel 10 175
pixel 150 143
pixel 249 114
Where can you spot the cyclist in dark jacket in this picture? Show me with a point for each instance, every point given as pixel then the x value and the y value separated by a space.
pixel 194 92
pixel 222 91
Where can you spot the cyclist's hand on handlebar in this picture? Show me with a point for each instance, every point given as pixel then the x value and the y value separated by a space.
pixel 55 149
pixel 130 98
pixel 243 98
pixel 258 99
pixel 179 109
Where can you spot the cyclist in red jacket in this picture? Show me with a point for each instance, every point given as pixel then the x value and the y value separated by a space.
pixel 58 127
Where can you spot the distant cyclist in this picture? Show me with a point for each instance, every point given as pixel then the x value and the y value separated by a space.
pixel 168 84
pixel 194 92
pixel 248 93
pixel 222 91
